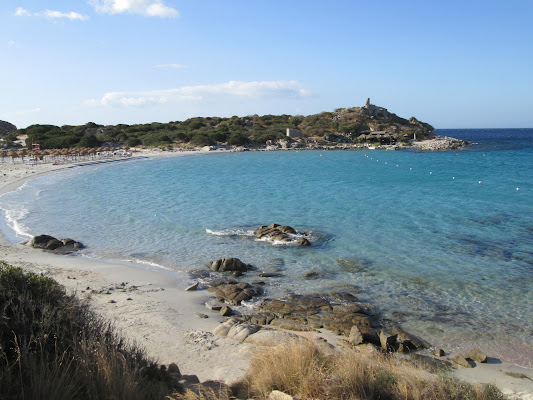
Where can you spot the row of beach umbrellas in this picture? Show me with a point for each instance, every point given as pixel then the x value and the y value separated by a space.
pixel 76 153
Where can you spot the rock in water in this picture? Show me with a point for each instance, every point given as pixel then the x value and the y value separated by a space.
pixel 304 242
pixel 48 242
pixel 280 233
pixel 229 264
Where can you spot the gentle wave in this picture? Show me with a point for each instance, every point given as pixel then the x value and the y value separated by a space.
pixel 16 211
pixel 231 232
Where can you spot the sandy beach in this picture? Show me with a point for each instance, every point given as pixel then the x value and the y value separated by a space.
pixel 150 307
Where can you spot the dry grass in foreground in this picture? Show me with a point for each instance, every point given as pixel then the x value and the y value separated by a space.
pixel 303 371
pixel 52 346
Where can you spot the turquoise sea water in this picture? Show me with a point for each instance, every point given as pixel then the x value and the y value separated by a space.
pixel 440 241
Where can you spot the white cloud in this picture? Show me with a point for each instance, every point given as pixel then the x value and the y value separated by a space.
pixel 264 89
pixel 21 12
pixel 51 14
pixel 149 8
pixel 71 15
pixel 176 66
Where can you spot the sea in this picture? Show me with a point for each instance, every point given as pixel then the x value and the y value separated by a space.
pixel 439 242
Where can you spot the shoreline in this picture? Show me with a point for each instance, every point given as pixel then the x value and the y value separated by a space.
pixel 162 317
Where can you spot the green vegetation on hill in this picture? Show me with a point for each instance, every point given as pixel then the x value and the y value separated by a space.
pixel 6 128
pixel 347 125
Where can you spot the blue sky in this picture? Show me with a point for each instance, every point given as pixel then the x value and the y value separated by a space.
pixel 454 64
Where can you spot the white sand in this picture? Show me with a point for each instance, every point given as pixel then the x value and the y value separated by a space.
pixel 161 316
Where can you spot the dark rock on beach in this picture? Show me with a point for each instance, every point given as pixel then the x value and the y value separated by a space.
pixel 388 340
pixel 48 242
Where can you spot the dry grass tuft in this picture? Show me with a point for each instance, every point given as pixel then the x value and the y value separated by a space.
pixel 303 371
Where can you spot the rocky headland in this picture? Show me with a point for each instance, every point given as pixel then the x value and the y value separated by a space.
pixel 344 128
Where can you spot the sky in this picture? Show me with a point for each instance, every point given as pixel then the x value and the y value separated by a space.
pixel 453 64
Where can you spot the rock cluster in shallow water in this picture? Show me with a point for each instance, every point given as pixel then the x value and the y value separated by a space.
pixel 338 312
pixel 280 233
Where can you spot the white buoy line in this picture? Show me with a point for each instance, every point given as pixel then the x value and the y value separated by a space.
pixel 430 172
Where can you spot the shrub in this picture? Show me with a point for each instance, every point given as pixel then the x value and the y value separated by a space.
pixel 52 346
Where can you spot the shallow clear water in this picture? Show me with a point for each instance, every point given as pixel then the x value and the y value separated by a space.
pixel 442 242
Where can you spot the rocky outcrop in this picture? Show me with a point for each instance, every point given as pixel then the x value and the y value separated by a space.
pixel 439 144
pixel 241 329
pixel 229 264
pixel 281 233
pixel 6 128
pixel 336 312
pixel 233 292
pixel 48 242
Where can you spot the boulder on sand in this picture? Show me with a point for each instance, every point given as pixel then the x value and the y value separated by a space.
pixel 48 242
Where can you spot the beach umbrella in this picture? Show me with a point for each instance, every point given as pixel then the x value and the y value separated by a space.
pixel 22 153
pixel 13 154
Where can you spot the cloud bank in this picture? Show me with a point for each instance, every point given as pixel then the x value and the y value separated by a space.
pixel 51 14
pixel 258 90
pixel 149 8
